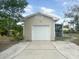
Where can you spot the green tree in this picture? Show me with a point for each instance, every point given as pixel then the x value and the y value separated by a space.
pixel 12 8
pixel 10 14
pixel 6 25
pixel 73 12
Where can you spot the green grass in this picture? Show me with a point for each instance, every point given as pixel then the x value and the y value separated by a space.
pixel 72 37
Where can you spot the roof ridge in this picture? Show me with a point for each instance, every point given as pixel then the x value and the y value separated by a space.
pixel 52 17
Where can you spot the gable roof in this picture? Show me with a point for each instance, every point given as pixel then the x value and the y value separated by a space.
pixel 46 15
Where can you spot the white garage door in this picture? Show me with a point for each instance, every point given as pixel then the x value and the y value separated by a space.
pixel 40 33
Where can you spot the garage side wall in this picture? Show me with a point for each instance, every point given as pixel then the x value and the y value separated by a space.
pixel 38 20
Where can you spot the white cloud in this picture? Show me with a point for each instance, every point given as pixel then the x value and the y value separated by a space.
pixel 50 12
pixel 47 10
pixel 65 3
pixel 28 10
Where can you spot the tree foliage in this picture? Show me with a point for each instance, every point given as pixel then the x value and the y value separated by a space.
pixel 12 8
pixel 73 12
pixel 6 25
pixel 10 14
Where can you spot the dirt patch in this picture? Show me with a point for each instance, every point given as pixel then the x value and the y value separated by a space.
pixel 6 45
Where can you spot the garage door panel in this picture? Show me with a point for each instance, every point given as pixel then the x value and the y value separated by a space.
pixel 40 33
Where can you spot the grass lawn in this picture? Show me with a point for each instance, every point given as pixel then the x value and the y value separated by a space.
pixel 73 37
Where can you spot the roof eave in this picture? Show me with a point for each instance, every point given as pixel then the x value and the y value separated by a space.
pixel 52 17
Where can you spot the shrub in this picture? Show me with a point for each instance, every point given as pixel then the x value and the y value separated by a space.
pixel 66 30
pixel 17 33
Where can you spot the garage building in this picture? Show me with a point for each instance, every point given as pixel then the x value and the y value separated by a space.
pixel 39 26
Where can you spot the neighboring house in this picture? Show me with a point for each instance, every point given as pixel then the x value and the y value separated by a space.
pixel 39 26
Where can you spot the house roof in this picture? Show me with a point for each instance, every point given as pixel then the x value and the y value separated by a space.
pixel 43 14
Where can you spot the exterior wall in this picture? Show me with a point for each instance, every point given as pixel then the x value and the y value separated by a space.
pixel 38 20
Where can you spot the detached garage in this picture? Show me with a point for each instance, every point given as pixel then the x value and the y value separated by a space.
pixel 39 26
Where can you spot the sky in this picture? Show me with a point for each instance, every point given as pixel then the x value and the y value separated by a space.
pixel 55 7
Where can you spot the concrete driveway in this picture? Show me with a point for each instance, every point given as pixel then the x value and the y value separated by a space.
pixel 40 50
